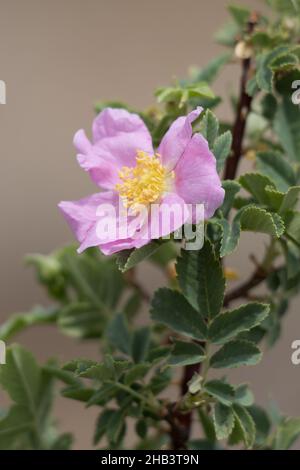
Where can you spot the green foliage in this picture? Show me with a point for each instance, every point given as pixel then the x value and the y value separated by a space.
pixel 201 279
pixel 27 424
pixel 193 323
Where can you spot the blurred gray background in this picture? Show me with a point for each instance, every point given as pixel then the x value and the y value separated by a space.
pixel 57 59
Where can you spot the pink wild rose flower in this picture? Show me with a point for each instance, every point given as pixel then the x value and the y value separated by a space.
pixel 122 162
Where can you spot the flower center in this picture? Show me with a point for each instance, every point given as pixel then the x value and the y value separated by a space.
pixel 144 183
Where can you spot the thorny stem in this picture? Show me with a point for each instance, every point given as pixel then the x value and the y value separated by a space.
pixel 180 422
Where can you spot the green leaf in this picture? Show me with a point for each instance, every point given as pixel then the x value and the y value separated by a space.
pixel 223 420
pixel 221 149
pixel 140 344
pixel 201 279
pixel 277 168
pixel 141 428
pixel 262 424
pixel 292 220
pixel 82 320
pixel 20 377
pixel 287 128
pixel 243 395
pixel 220 390
pixel 210 72
pixel 136 372
pixel 207 425
pixel 172 309
pixel 15 428
pixel 231 189
pixel 118 334
pixel 101 425
pixel 246 424
pixel 236 353
pixel 63 442
pixel 255 184
pixel 287 433
pixel 198 90
pixel 255 219
pixel 268 102
pixel 184 354
pixel 127 259
pixel 230 233
pixel 290 199
pixel 265 74
pixel 229 324
pixel 210 127
pixel 94 277
pixel 285 62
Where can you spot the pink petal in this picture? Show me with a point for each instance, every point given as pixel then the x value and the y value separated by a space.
pixel 177 138
pixel 196 177
pixel 168 216
pixel 117 135
pixel 97 220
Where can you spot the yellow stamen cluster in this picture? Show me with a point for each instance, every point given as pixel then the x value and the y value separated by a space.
pixel 144 183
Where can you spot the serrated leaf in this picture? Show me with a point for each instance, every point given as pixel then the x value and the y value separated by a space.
pixel 255 184
pixel 236 353
pixel 223 420
pixel 172 309
pixel 285 63
pixel 255 219
pixel 201 279
pixel 220 390
pixel 184 354
pixel 290 199
pixel 127 259
pixel 265 74
pixel 221 149
pixel 230 234
pixel 210 127
pixel 207 425
pixel 246 424
pixel 229 324
pixel 277 168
